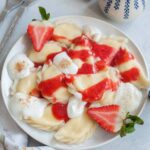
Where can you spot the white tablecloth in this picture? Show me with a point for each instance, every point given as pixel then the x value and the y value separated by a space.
pixel 138 31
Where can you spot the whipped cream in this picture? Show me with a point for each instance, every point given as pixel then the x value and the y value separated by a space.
pixel 128 97
pixel 65 64
pixel 92 32
pixel 75 106
pixel 19 66
pixel 24 106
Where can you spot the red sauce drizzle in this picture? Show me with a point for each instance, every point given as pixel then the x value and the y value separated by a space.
pixel 69 79
pixel 57 37
pixel 82 41
pixel 114 85
pixel 59 110
pixel 35 92
pixel 100 65
pixel 96 91
pixel 130 75
pixel 48 87
pixel 121 57
pixel 81 54
pixel 36 65
pixel 104 52
pixel 87 104
pixel 86 69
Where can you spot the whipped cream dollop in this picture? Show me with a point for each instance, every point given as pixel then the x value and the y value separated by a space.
pixel 75 106
pixel 128 97
pixel 65 64
pixel 24 106
pixel 92 32
pixel 19 66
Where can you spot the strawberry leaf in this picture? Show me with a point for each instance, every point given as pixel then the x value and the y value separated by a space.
pixel 44 15
pixel 123 131
pixel 136 119
pixel 129 128
pixel 129 123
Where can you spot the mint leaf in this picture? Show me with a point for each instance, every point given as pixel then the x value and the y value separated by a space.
pixel 44 15
pixel 129 128
pixel 136 119
pixel 129 123
pixel 123 131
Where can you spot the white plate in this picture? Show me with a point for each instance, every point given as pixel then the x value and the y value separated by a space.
pixel 100 137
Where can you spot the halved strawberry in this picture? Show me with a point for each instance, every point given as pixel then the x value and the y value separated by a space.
pixel 108 117
pixel 39 32
pixel 60 111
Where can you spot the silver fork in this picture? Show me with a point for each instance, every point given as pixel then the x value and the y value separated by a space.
pixel 10 5
pixel 4 52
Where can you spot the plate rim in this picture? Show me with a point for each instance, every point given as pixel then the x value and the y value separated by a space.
pixel 83 17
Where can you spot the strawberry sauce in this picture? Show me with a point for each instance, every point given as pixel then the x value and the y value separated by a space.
pixel 100 65
pixel 86 69
pixel 82 41
pixel 80 54
pixel 96 91
pixel 60 111
pixel 130 75
pixel 121 57
pixel 57 37
pixel 104 52
pixel 36 65
pixel 48 87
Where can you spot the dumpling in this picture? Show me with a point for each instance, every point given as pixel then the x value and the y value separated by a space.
pixel 49 50
pixel 81 54
pixel 127 96
pixel 114 41
pixel 93 86
pixel 76 130
pixel 130 69
pixel 51 84
pixel 47 122
pixel 65 32
pixel 27 84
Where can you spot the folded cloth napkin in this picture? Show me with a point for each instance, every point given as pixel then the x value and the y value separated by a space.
pixel 11 136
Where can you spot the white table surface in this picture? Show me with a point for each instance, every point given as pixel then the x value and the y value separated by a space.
pixel 138 31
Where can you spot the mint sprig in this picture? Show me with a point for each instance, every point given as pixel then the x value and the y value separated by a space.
pixel 129 124
pixel 44 14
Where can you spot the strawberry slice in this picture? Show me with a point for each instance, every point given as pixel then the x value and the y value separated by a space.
pixel 39 32
pixel 108 117
pixel 60 111
pixel 104 52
